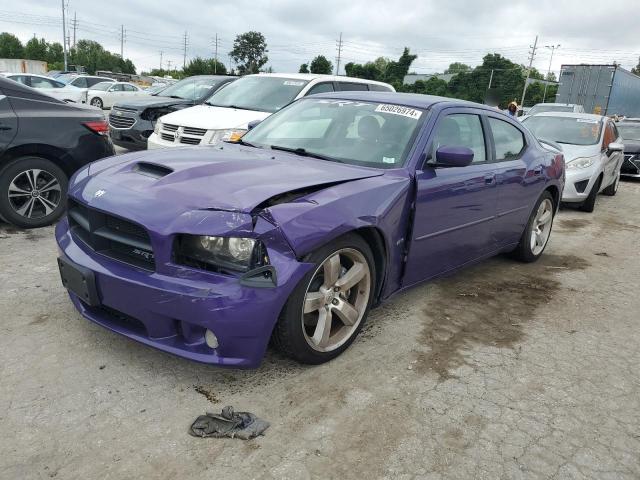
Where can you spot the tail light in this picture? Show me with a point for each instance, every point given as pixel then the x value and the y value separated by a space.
pixel 100 127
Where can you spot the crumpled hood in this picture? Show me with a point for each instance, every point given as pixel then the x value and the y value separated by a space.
pixel 572 152
pixel 233 178
pixel 213 118
pixel 151 101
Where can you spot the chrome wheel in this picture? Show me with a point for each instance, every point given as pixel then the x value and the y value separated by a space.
pixel 541 226
pixel 34 193
pixel 336 300
pixel 96 102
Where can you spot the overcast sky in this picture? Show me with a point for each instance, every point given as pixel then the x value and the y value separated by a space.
pixel 439 32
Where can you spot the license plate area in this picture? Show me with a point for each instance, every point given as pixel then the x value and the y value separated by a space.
pixel 79 280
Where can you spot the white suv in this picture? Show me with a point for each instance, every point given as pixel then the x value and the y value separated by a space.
pixel 227 113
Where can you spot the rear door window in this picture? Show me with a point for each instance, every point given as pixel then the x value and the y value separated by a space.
pixel 509 140
pixel 374 87
pixel 352 87
pixel 461 130
pixel 80 82
pixel 323 87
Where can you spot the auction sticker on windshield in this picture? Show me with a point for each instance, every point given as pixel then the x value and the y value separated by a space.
pixel 399 110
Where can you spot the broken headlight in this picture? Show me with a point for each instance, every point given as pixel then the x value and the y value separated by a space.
pixel 220 254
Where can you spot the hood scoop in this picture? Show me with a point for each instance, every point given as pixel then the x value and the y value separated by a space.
pixel 152 170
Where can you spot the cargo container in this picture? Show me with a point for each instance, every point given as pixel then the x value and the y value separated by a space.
pixel 20 65
pixel 600 89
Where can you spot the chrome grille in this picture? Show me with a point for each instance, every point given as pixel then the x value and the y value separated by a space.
pixel 169 128
pixel 167 137
pixel 117 121
pixel 194 131
pixel 125 109
pixel 190 141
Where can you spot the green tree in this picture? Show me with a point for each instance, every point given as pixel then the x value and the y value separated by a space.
pixel 458 67
pixel 55 53
pixel 396 71
pixel 92 56
pixel 10 46
pixel 304 68
pixel 204 66
pixel 432 86
pixel 368 71
pixel 36 49
pixel 636 70
pixel 383 69
pixel 249 52
pixel 321 65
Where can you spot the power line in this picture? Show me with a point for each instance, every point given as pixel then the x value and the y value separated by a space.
pixel 553 49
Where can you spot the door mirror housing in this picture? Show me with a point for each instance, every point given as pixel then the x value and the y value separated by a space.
pixel 252 124
pixel 615 147
pixel 447 157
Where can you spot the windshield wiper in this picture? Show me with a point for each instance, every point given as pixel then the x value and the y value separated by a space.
pixel 232 106
pixel 304 153
pixel 173 96
pixel 242 142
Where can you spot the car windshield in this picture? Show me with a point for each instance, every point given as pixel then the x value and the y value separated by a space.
pixel 102 86
pixel 570 130
pixel 630 131
pixel 190 88
pixel 155 89
pixel 549 108
pixel 260 93
pixel 359 133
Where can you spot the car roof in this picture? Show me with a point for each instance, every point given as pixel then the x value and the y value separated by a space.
pixel 585 116
pixel 415 100
pixel 313 76
pixel 556 104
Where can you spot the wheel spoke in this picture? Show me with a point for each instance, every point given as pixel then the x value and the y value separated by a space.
pixel 52 185
pixel 545 217
pixel 47 205
pixel 351 277
pixel 347 313
pixel 332 270
pixel 314 301
pixel 14 188
pixel 323 328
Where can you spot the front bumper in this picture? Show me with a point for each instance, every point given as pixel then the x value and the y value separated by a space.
pixel 154 142
pixel 172 312
pixel 578 184
pixel 631 165
pixel 128 130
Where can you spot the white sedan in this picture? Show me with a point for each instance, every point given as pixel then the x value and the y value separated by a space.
pixel 53 88
pixel 105 94
pixel 593 153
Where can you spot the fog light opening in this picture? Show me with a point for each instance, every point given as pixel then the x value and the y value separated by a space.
pixel 210 339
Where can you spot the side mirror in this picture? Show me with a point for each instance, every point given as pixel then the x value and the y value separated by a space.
pixel 252 124
pixel 616 147
pixel 453 157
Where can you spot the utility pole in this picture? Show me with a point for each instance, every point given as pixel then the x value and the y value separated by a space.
pixel 532 55
pixel 339 45
pixel 161 60
pixel 184 56
pixel 122 38
pixel 553 49
pixel 215 55
pixel 168 65
pixel 75 25
pixel 64 37
pixel 490 80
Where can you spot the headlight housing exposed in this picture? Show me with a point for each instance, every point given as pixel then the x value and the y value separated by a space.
pixel 219 254
pixel 228 135
pixel 582 162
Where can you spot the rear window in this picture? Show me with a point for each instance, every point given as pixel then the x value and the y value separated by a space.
pixel 352 87
pixel 549 108
pixel 569 130
pixel 374 87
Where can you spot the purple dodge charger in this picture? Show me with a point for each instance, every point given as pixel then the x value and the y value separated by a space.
pixel 294 232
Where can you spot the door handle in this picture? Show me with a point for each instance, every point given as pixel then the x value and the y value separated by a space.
pixel 3 127
pixel 489 179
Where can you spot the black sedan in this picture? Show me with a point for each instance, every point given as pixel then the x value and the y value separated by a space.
pixel 131 122
pixel 43 141
pixel 630 132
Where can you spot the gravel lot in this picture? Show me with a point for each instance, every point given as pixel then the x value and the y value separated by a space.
pixel 504 370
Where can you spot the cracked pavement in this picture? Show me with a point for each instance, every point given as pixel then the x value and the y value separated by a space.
pixel 501 371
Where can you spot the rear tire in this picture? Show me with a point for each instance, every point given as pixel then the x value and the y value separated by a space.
pixel 538 230
pixel 589 204
pixel 327 296
pixel 33 192
pixel 97 102
pixel 612 189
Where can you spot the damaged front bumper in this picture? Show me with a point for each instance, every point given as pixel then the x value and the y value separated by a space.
pixel 172 307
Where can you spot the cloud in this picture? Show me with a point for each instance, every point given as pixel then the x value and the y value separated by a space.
pixel 296 31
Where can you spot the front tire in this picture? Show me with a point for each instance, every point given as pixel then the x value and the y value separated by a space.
pixel 97 102
pixel 589 204
pixel 612 189
pixel 33 192
pixel 536 236
pixel 328 308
